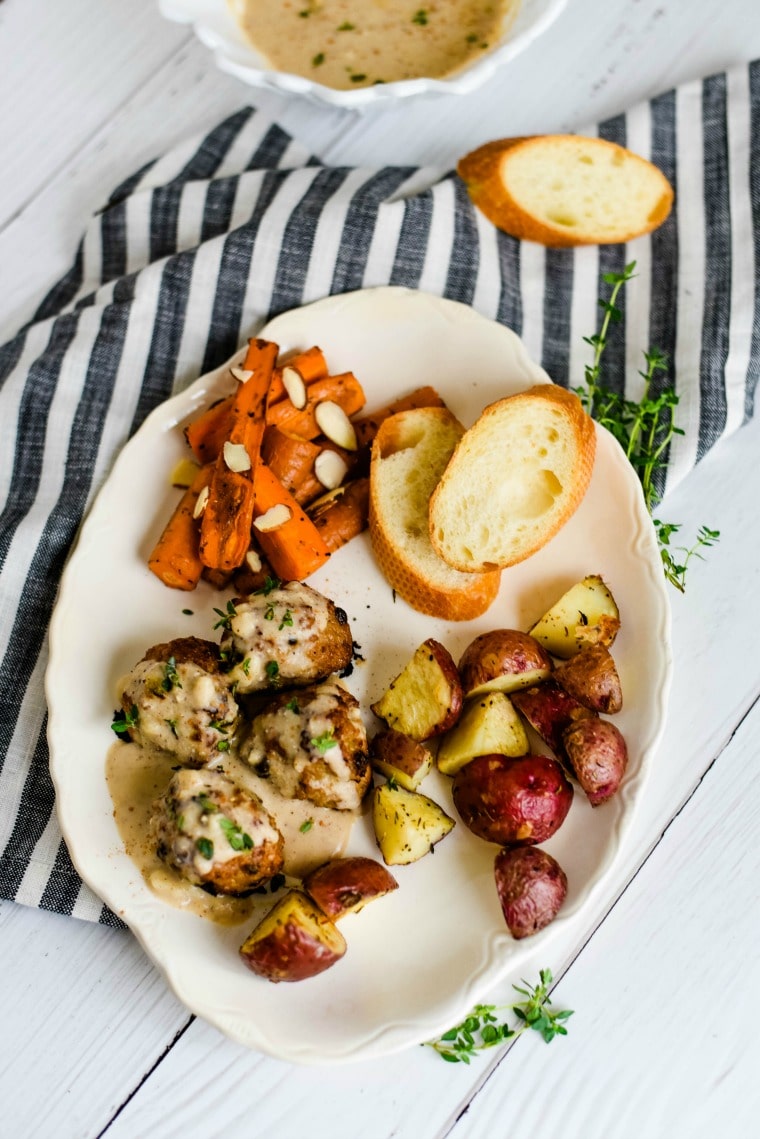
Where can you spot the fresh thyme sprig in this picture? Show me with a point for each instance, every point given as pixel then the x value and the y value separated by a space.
pixel 643 428
pixel 482 1028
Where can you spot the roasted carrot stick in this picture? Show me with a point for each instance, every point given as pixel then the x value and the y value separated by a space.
pixel 342 514
pixel 289 457
pixel 344 390
pixel 175 558
pixel 207 433
pixel 295 548
pixel 226 521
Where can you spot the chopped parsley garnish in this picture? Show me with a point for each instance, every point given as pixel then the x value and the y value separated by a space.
pixel 272 670
pixel 225 618
pixel 220 726
pixel 318 59
pixel 223 745
pixel 173 725
pixel 123 721
pixel 236 837
pixel 286 621
pixel 269 615
pixel 181 823
pixel 324 742
pixel 269 584
pixel 420 17
pixel 292 705
pixel 246 665
pixel 306 825
pixel 205 848
pixel 207 804
pixel 171 676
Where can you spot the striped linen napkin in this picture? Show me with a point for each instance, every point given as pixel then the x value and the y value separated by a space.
pixel 195 251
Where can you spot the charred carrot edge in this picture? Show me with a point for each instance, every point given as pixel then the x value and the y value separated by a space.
pixel 175 558
pixel 226 521
pixel 344 390
pixel 207 433
pixel 295 549
pixel 342 514
pixel 367 427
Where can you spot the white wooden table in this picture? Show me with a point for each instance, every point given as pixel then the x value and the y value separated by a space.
pixel 664 974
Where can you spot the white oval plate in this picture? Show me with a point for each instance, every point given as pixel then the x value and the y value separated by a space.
pixel 418 959
pixel 216 27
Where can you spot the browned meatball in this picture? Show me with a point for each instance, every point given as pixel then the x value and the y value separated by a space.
pixel 312 745
pixel 216 834
pixel 284 636
pixel 178 699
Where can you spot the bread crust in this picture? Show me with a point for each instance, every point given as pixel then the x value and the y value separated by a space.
pixel 486 173
pixel 456 600
pixel 457 479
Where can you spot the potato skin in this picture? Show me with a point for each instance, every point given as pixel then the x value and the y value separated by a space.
pixel 399 757
pixel 531 886
pixel 513 800
pixel 592 678
pixel 293 942
pixel 598 756
pixel 503 660
pixel 550 711
pixel 344 885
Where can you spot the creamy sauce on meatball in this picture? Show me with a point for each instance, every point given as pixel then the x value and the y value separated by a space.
pixel 138 776
pixel 358 43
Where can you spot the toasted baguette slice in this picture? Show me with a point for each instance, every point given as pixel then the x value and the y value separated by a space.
pixel 409 455
pixel 514 480
pixel 564 190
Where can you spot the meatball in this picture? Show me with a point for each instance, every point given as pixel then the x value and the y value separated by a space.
pixel 178 699
pixel 215 833
pixel 312 745
pixel 284 636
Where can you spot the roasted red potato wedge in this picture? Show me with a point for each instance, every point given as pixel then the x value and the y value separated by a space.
pixel 344 885
pixel 586 615
pixel 519 800
pixel 425 699
pixel 293 942
pixel 407 824
pixel 502 660
pixel 400 758
pixel 488 724
pixel 598 757
pixel 531 886
pixel 549 710
pixel 592 678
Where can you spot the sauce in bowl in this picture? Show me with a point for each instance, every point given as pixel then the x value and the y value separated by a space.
pixel 358 43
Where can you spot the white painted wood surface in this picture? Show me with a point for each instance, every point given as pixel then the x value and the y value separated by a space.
pixel 663 975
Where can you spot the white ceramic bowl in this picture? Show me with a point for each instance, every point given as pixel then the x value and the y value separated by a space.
pixel 215 26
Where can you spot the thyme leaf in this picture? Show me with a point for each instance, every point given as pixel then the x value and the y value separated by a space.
pixel 483 1028
pixel 644 429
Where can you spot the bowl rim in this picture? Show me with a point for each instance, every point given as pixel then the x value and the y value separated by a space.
pixel 461 83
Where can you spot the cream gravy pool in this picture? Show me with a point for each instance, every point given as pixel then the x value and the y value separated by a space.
pixel 137 776
pixel 358 43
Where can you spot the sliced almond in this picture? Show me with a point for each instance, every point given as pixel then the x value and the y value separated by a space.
pixel 330 468
pixel 200 502
pixel 253 561
pixel 241 374
pixel 273 518
pixel 236 457
pixel 184 473
pixel 335 424
pixel 294 386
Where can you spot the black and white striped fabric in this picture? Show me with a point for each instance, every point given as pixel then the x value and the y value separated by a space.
pixel 196 250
